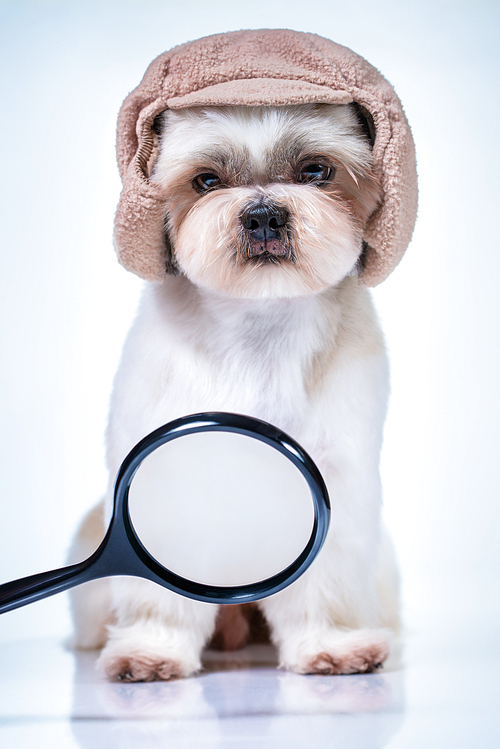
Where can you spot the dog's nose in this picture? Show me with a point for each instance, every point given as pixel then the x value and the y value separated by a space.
pixel 264 221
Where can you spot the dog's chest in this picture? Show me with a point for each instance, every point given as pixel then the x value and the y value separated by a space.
pixel 251 358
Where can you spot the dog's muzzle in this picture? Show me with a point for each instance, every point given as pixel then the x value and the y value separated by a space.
pixel 266 235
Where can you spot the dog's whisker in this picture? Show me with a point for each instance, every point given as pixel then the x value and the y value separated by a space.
pixel 350 172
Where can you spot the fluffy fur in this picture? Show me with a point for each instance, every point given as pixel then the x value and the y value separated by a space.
pixel 264 319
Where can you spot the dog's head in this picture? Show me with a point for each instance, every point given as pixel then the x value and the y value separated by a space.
pixel 246 163
pixel 266 201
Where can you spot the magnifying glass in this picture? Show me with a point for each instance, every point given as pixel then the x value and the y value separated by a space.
pixel 218 507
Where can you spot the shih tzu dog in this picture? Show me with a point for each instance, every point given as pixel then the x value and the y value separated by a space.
pixel 266 208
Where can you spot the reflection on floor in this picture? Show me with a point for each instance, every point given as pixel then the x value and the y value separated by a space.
pixel 50 697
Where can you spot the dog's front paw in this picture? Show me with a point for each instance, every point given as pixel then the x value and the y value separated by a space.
pixel 127 659
pixel 354 652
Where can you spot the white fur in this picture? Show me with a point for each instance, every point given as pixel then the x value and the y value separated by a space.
pixel 257 131
pixel 314 365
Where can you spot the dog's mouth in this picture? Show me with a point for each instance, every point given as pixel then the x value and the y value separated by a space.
pixel 272 250
pixel 266 258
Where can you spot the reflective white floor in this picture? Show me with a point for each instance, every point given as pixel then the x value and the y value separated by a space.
pixel 50 697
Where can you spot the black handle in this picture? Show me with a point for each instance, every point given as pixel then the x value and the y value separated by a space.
pixel 28 589
pixel 111 558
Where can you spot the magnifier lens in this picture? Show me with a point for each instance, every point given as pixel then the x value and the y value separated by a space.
pixel 221 508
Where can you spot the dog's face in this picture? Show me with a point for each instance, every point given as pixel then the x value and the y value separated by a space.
pixel 266 201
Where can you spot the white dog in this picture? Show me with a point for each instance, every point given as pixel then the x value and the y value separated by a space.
pixel 266 208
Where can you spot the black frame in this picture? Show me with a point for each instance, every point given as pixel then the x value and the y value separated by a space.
pixel 122 553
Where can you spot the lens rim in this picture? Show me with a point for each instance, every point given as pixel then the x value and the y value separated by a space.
pixel 250 427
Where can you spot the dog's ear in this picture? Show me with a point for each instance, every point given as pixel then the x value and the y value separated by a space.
pixel 366 122
pixel 171 266
pixel 157 125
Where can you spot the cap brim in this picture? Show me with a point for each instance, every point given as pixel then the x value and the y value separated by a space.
pixel 255 92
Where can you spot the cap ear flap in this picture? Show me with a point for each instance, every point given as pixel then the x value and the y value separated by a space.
pixel 141 241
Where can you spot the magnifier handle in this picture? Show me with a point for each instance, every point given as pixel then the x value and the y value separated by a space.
pixel 28 589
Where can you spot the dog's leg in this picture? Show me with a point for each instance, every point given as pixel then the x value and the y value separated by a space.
pixel 331 620
pixel 158 635
pixel 91 602
pixel 232 630
pixel 151 634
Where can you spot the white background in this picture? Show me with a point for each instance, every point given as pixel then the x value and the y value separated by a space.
pixel 66 304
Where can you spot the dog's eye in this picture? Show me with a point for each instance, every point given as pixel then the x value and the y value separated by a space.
pixel 206 181
pixel 315 173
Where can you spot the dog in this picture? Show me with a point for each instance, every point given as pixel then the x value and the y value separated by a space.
pixel 265 212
